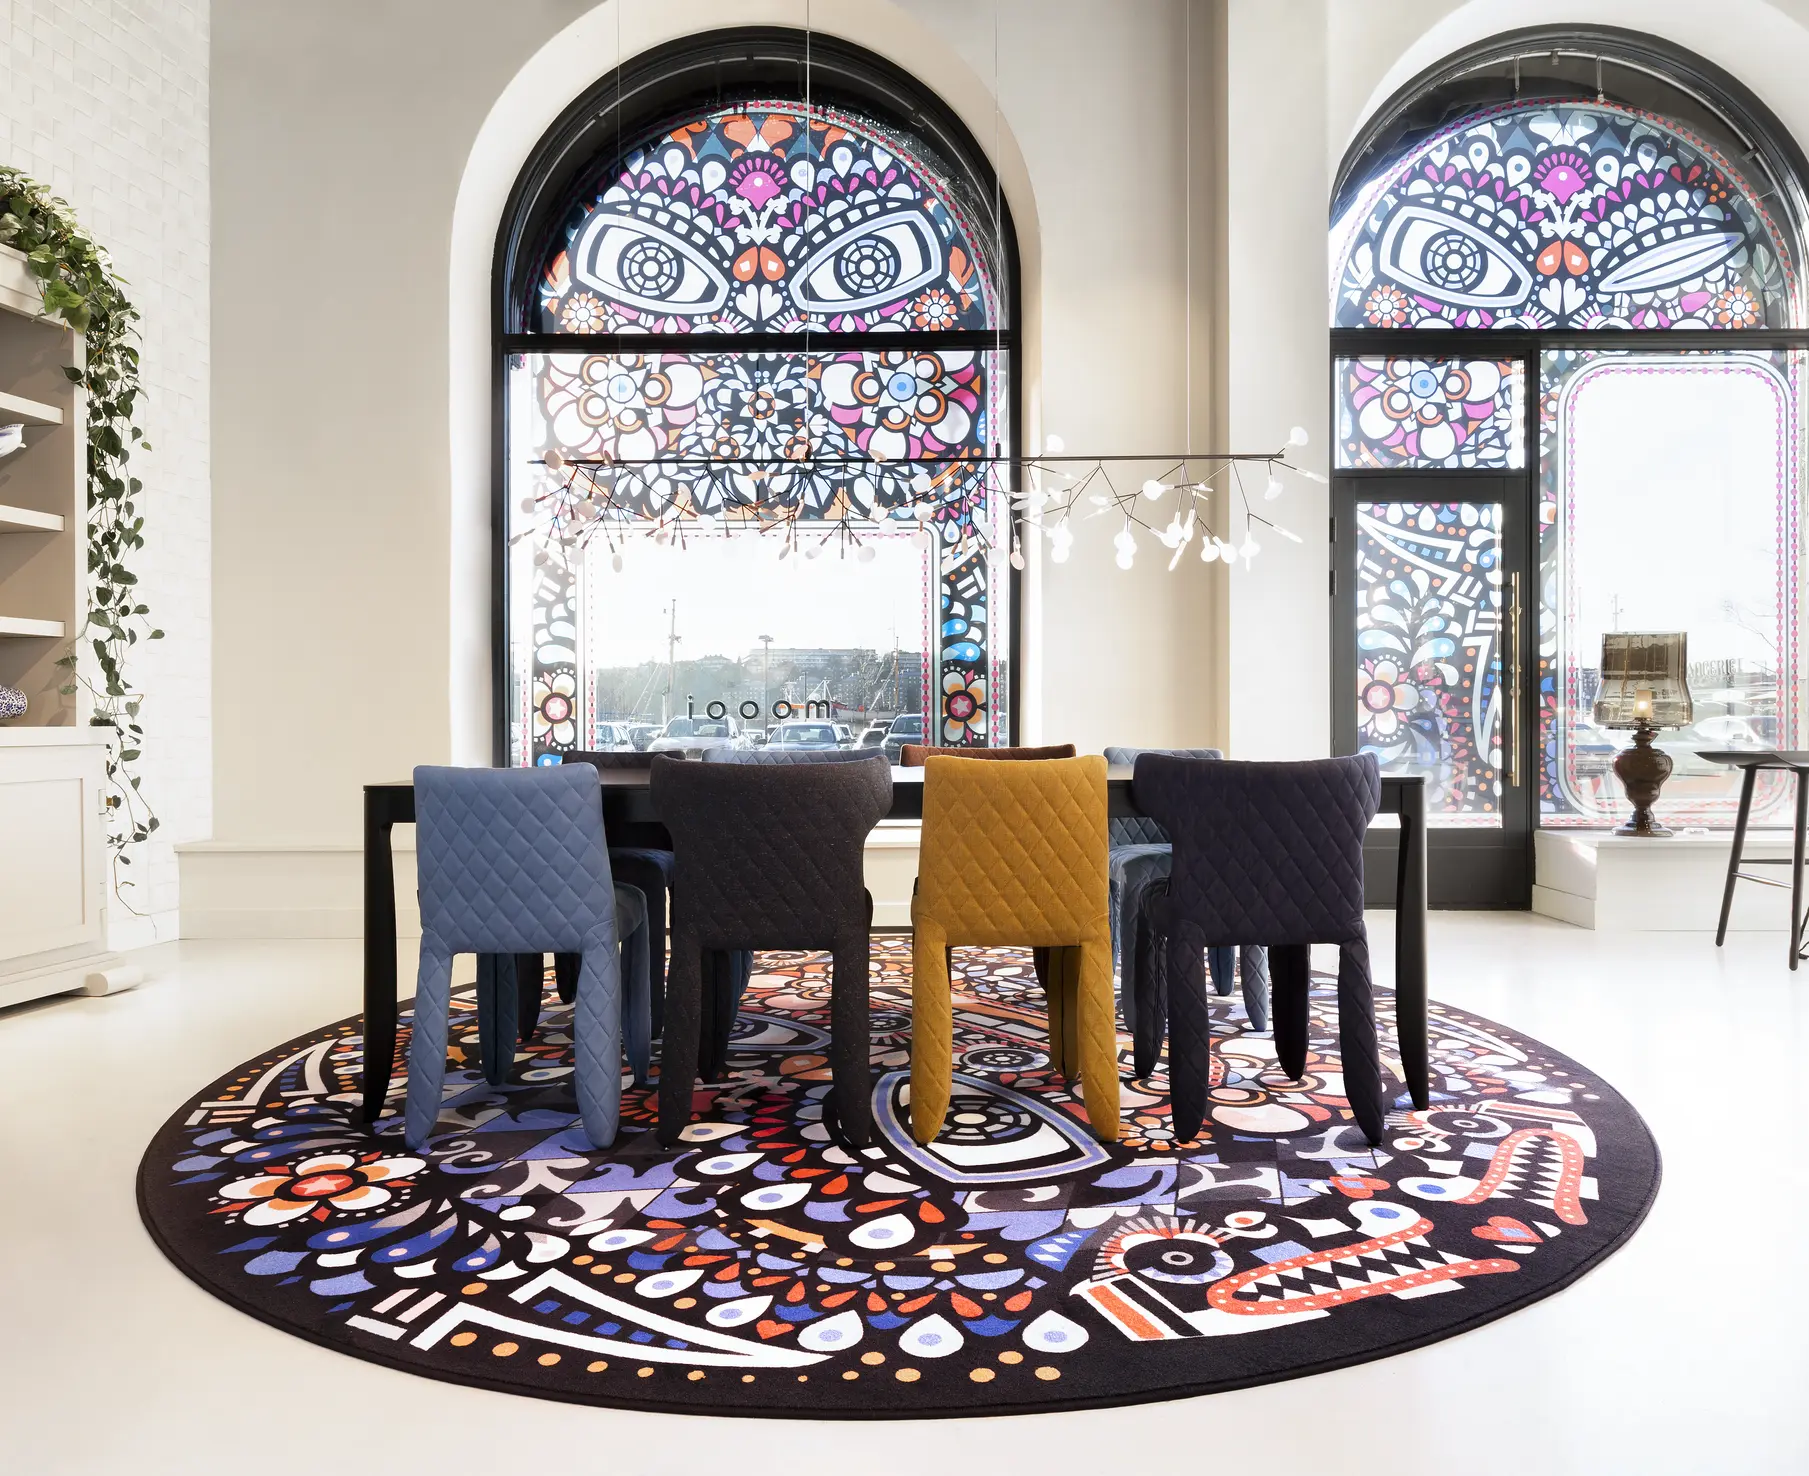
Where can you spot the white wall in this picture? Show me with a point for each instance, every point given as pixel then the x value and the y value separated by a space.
pixel 105 103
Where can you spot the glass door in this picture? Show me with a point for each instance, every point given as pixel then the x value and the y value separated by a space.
pixel 1431 589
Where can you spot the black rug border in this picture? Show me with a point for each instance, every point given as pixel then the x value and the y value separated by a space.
pixel 177 1121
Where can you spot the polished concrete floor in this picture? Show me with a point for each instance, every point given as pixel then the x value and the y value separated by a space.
pixel 1686 1352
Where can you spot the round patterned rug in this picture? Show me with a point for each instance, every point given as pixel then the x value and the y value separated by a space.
pixel 1015 1265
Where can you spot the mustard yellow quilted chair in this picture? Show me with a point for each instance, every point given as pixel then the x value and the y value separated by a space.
pixel 1015 854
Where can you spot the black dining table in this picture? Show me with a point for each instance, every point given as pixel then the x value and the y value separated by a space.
pixel 628 798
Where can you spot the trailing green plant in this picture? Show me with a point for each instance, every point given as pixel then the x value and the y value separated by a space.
pixel 79 286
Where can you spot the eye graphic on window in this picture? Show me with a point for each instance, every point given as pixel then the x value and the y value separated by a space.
pixel 1640 266
pixel 645 267
pixel 874 263
pixel 1451 260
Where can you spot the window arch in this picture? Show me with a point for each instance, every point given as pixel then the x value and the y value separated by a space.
pixel 756 293
pixel 1568 340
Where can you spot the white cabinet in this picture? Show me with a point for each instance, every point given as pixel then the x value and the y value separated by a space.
pixel 53 865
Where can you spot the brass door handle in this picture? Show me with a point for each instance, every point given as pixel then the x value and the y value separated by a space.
pixel 1513 674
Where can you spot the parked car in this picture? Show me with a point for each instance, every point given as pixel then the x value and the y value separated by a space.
pixel 802 736
pixel 844 735
pixel 1727 731
pixel 692 735
pixel 611 738
pixel 907 727
pixel 873 737
pixel 641 734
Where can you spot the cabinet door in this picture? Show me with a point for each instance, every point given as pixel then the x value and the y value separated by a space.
pixel 51 862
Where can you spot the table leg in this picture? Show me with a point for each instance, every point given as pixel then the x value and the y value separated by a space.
pixel 1748 773
pixel 1410 945
pixel 379 957
pixel 1796 872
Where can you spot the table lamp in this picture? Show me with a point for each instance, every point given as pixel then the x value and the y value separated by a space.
pixel 1644 688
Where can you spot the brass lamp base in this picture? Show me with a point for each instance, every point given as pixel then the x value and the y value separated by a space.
pixel 1642 770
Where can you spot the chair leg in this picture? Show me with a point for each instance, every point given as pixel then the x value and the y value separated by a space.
pixel 1152 999
pixel 427 1044
pixel 1358 1052
pixel 1058 1002
pixel 530 985
pixel 597 1035
pixel 565 975
pixel 1223 964
pixel 498 1001
pixel 637 1014
pixel 684 1022
pixel 1093 1034
pixel 1290 974
pixel 1253 968
pixel 726 975
pixel 1189 1037
pixel 932 1030
pixel 1748 774
pixel 851 1034
pixel 650 880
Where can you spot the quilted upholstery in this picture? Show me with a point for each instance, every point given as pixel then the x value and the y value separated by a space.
pixel 780 756
pixel 1015 853
pixel 640 855
pixel 512 861
pixel 912 755
pixel 768 856
pixel 1140 830
pixel 1269 851
pixel 1139 872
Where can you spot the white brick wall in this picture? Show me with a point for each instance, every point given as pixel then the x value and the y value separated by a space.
pixel 105 102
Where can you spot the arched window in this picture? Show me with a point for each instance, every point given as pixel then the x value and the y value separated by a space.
pixel 1567 315
pixel 757 302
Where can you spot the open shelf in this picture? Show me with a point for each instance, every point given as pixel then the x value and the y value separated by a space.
pixel 24 520
pixel 32 412
pixel 13 625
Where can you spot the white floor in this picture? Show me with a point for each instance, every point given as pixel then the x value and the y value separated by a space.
pixel 1686 1352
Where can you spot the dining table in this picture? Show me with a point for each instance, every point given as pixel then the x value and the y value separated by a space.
pixel 628 799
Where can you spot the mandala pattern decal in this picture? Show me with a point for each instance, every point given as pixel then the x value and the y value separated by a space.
pixel 1014 1263
pixel 1562 215
pixel 765 218
pixel 1428 595
pixel 1425 412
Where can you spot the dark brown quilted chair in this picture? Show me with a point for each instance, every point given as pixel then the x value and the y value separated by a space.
pixel 767 856
pixel 913 754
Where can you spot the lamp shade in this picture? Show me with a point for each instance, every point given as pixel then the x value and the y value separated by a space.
pixel 1643 680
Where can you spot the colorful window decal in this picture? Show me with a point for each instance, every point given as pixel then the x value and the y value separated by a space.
pixel 1395 411
pixel 763 218
pixel 768 218
pixel 1428 697
pixel 1570 215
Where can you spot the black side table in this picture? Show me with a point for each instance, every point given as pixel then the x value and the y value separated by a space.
pixel 1750 761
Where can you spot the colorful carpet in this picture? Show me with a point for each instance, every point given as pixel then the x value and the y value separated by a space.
pixel 1015 1265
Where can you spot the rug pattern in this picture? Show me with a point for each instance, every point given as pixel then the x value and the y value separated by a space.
pixel 1015 1264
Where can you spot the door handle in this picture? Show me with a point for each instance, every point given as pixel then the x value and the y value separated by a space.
pixel 1514 683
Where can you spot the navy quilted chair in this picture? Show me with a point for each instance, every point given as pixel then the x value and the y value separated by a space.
pixel 640 856
pixel 1270 851
pixel 512 862
pixel 1138 870
pixel 769 856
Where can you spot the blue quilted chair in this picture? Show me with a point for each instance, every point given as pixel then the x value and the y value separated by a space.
pixel 1138 868
pixel 1274 852
pixel 512 862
